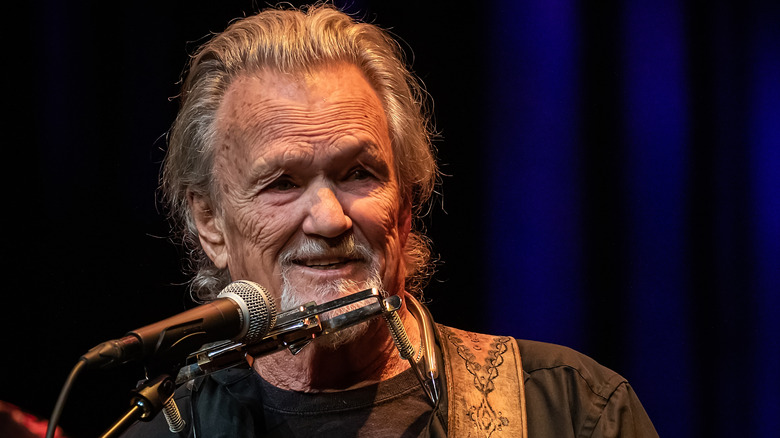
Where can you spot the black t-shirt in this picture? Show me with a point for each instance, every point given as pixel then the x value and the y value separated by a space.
pixel 567 395
pixel 397 407
pixel 228 404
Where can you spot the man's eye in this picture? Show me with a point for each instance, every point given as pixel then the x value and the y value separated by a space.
pixel 282 185
pixel 359 174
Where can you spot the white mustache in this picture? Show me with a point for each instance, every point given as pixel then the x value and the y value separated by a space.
pixel 347 248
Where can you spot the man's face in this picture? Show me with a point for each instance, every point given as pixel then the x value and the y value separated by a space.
pixel 309 201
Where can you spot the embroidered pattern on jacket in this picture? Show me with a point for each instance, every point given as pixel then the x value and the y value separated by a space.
pixel 484 417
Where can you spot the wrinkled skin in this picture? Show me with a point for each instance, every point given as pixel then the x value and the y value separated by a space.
pixel 308 157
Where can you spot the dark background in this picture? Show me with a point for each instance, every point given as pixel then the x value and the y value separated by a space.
pixel 612 185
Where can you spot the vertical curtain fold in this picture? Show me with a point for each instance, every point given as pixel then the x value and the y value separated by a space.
pixel 633 161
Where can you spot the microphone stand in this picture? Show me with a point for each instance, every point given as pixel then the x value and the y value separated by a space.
pixel 150 398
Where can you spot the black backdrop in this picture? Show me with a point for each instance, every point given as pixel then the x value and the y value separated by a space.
pixel 88 88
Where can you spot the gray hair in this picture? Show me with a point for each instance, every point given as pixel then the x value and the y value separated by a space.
pixel 289 41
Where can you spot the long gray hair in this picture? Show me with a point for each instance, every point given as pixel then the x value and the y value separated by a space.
pixel 296 40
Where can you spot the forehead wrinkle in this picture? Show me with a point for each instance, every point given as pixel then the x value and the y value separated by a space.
pixel 279 120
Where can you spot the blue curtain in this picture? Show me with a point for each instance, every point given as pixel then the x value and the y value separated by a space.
pixel 634 211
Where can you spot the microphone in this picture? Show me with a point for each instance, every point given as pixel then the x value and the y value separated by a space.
pixel 242 312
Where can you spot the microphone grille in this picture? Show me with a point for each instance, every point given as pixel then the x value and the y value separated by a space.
pixel 261 307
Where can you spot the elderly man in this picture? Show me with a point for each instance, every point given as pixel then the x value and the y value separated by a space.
pixel 299 160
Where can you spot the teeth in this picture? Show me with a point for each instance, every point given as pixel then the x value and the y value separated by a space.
pixel 323 263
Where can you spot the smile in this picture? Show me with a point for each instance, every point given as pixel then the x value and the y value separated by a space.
pixel 325 263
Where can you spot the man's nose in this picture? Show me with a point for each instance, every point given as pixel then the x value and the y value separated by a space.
pixel 326 216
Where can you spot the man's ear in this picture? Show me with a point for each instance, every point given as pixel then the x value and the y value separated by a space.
pixel 210 228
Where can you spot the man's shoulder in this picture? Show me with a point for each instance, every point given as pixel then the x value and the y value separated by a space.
pixel 550 363
pixel 544 359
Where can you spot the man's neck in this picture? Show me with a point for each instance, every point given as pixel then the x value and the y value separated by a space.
pixel 317 368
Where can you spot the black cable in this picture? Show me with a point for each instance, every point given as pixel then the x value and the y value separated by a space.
pixel 55 416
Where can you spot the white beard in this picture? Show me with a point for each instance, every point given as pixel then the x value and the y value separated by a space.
pixel 292 297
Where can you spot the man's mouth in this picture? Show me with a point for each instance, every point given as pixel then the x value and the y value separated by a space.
pixel 326 263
